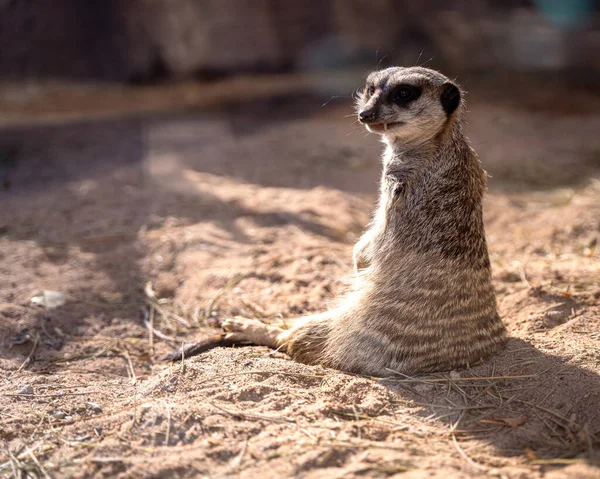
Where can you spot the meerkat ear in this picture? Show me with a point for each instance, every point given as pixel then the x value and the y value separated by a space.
pixel 450 97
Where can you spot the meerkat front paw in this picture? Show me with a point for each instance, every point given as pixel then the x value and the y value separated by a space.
pixel 360 255
pixel 242 325
pixel 251 330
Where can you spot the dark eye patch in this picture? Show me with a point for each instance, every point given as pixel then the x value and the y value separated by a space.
pixel 404 94
pixel 370 89
pixel 450 98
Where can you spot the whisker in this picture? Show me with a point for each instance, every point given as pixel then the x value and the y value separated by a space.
pixel 335 97
pixel 382 58
pixel 417 62
pixel 425 63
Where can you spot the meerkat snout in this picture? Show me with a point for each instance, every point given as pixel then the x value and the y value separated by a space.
pixel 407 103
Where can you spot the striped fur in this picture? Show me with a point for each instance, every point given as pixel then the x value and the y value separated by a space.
pixel 422 299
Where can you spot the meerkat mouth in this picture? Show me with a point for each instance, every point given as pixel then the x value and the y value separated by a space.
pixel 382 127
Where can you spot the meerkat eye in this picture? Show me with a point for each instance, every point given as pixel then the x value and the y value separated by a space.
pixel 370 90
pixel 403 94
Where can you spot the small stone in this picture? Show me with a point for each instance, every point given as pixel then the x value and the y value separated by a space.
pixel 454 374
pixel 25 390
pixel 95 407
pixel 49 299
pixel 510 277
pixel 59 414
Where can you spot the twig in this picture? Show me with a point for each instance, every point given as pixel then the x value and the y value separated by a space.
pixel 439 380
pixel 182 359
pixel 355 415
pixel 12 460
pixel 151 330
pixel 549 426
pixel 28 359
pixel 456 423
pixel 253 416
pixel 167 314
pixel 559 461
pixel 38 464
pixel 549 411
pixel 255 308
pixel 588 438
pixel 523 276
pixel 458 408
pixel 213 301
pixel 479 467
pixel 222 376
pixel 47 395
pixel 79 386
pixel 237 460
pixel 160 335
pixel 153 302
pixel 102 460
pixel 168 422
pixel 128 358
pixel 362 444
pixel 19 457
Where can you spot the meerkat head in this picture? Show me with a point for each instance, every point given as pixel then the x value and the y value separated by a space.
pixel 407 104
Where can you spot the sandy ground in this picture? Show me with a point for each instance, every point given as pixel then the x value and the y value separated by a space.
pixel 252 210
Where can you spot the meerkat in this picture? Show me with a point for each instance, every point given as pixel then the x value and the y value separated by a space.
pixel 422 299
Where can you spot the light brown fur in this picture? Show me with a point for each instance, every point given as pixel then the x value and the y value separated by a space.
pixel 422 298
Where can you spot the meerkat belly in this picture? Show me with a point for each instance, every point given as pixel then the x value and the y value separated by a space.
pixel 419 316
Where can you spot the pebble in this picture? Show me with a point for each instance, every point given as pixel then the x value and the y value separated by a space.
pixel 95 407
pixel 25 390
pixel 59 414
pixel 49 299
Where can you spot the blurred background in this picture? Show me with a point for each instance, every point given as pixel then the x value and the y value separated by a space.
pixel 151 40
pixel 66 61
